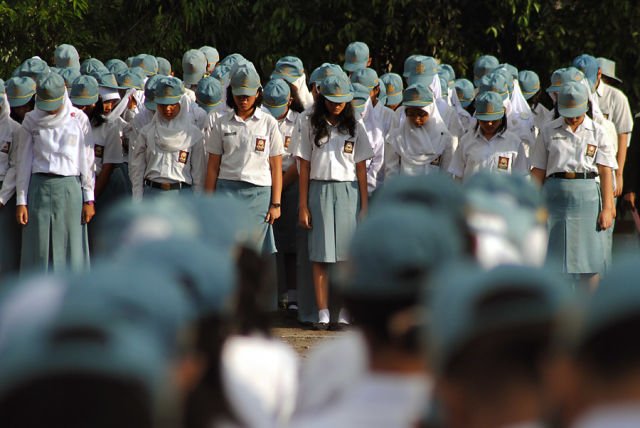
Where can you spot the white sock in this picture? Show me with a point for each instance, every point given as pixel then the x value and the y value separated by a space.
pixel 343 317
pixel 323 315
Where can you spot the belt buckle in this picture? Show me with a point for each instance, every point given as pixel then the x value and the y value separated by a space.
pixel 570 175
pixel 165 186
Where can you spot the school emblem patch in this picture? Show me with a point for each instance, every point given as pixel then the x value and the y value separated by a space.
pixel 287 141
pixel 348 147
pixel 98 151
pixel 503 163
pixel 420 68
pixel 591 150
pixel 183 156
pixel 260 144
pixel 436 161
pixel 6 146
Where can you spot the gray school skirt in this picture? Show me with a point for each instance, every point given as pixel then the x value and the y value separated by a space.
pixel 334 207
pixel 55 238
pixel 257 200
pixel 285 229
pixel 576 243
pixel 118 187
pixel 10 232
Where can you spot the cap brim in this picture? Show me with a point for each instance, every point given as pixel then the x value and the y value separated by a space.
pixel 286 77
pixel 339 99
pixel 617 79
pixel 354 66
pixel 465 104
pixel 49 105
pixel 276 112
pixel 572 112
pixel 528 95
pixel 19 102
pixel 248 92
pixel 553 88
pixel 168 100
pixel 425 79
pixel 393 100
pixel 192 79
pixel 150 105
pixel 84 101
pixel 418 104
pixel 485 117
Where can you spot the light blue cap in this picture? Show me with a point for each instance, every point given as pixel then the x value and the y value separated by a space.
pixel 140 72
pixel 564 75
pixel 589 66
pixel 395 249
pixel 275 97
pixel 382 95
pixel 211 53
pixel 129 79
pixel 209 93
pixel 234 58
pixel 494 83
pixel 50 92
pixel 484 65
pixel 147 62
pixel 108 80
pixel 164 66
pixel 360 96
pixel 149 92
pixel 206 274
pixel 84 91
pixel 608 68
pixel 467 303
pixel 444 85
pixel 356 56
pixel 325 70
pixel 465 91
pixel 409 64
pixel 91 66
pixel 529 83
pixel 66 56
pixel 33 68
pixel 417 95
pixel 423 70
pixel 245 81
pixel 223 73
pixel 336 89
pixel 194 66
pixel 366 77
pixel 69 75
pixel 573 100
pixel 289 68
pixel 168 90
pixel 394 87
pixel 446 71
pixel 116 66
pixel 511 69
pixel 508 77
pixel 20 90
pixel 489 106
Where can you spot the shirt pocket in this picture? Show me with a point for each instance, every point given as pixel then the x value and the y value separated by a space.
pixel 259 145
pixel 230 141
pixel 503 161
pixel 69 146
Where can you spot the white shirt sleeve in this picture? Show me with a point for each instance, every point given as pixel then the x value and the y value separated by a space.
pixel 363 150
pixel 303 146
pixel 86 161
pixel 456 167
pixel 391 161
pixel 198 166
pixel 539 154
pixel 23 166
pixel 138 166
pixel 276 147
pixel 9 182
pixel 447 154
pixel 213 144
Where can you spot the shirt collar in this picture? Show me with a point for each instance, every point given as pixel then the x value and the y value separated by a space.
pixel 587 124
pixel 600 88
pixel 479 134
pixel 257 115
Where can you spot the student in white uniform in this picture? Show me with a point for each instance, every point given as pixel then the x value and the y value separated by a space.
pixel 393 87
pixel 245 155
pixel 530 85
pixel 421 144
pixel 465 94
pixel 291 70
pixel 213 57
pixel 55 180
pixel 168 154
pixel 278 102
pixel 10 243
pixel 491 146
pixel 21 93
pixel 333 150
pixel 142 119
pixel 569 154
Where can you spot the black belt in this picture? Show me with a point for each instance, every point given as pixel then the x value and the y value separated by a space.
pixel 575 175
pixel 166 186
pixel 49 174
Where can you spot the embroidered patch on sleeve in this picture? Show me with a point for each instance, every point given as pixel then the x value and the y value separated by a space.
pixel 6 146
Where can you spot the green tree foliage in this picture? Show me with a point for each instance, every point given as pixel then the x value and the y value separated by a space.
pixel 541 35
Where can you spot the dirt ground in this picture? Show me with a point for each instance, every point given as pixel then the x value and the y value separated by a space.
pixel 301 337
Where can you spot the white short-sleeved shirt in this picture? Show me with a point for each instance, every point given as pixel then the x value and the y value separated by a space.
pixel 336 156
pixel 386 118
pixel 130 133
pixel 541 117
pixel 503 153
pixel 66 150
pixel 108 145
pixel 289 129
pixel 246 146
pixel 399 159
pixel 558 149
pixel 615 107
pixel 8 159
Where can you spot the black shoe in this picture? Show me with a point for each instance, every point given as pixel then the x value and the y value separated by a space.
pixel 321 326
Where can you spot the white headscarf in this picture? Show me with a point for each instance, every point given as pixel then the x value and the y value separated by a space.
pixel 39 119
pixel 373 126
pixel 119 109
pixel 303 91
pixel 173 135
pixel 520 107
pixel 435 87
pixel 5 120
pixel 417 144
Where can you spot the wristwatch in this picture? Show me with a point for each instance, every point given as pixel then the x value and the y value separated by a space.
pixel 275 205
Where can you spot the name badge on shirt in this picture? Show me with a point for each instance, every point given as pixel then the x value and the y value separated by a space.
pixel 287 141
pixel 606 115
pixel 436 161
pixel 183 156
pixel 98 151
pixel 591 150
pixel 6 146
pixel 348 147
pixel 260 144
pixel 228 134
pixel 503 162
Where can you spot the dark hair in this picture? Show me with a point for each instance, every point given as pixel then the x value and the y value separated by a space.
pixel 95 116
pixel 31 104
pixel 232 104
pixel 296 104
pixel 346 120
pixel 471 108
pixel 534 100
pixel 501 129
